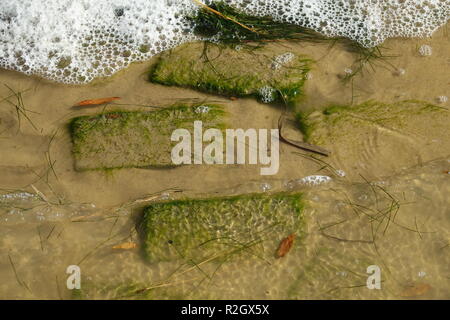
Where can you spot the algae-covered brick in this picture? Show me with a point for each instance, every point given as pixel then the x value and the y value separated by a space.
pixel 380 138
pixel 218 228
pixel 270 75
pixel 124 139
pixel 340 122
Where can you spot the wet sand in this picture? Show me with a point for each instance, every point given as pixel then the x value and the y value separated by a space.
pixel 36 155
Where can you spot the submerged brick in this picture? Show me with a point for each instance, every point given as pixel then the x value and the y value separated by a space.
pixel 221 228
pixel 270 75
pixel 124 139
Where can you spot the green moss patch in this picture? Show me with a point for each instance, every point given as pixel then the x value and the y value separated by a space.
pixel 219 228
pixel 338 122
pixel 233 25
pixel 378 137
pixel 270 75
pixel 124 139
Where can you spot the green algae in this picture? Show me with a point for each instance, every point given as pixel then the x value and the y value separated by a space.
pixel 226 71
pixel 220 228
pixel 77 294
pixel 131 290
pixel 230 26
pixel 233 26
pixel 125 139
pixel 339 123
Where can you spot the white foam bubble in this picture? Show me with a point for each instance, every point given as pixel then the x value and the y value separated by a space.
pixel 369 22
pixel 202 109
pixel 282 59
pixel 76 41
pixel 425 50
pixel 267 94
pixel 313 180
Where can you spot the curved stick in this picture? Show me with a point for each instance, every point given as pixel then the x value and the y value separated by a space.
pixel 300 144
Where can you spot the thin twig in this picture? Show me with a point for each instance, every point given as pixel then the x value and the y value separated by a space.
pixel 223 16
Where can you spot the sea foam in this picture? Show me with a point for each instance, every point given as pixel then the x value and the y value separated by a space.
pixel 76 41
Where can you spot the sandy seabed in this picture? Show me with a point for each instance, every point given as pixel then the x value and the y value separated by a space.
pixel 82 215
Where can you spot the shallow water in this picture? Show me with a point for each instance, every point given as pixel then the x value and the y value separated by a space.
pixel 370 209
pixel 400 224
pixel 75 42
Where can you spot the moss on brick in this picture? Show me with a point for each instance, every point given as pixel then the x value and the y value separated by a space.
pixel 218 228
pixel 379 139
pixel 124 139
pixel 226 71
pixel 340 122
